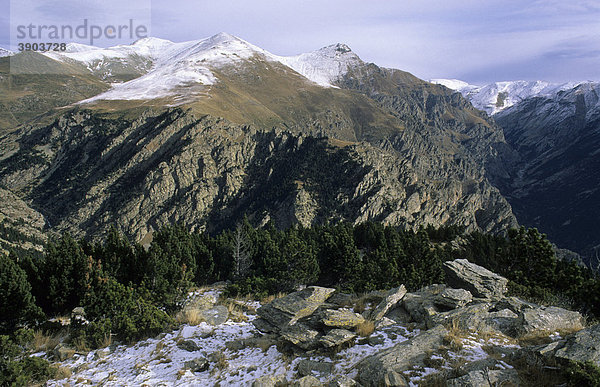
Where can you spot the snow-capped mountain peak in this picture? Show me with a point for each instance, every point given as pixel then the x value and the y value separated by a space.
pixel 498 96
pixel 166 68
pixel 4 52
pixel 325 65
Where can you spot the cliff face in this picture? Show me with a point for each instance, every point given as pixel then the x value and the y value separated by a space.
pixel 88 170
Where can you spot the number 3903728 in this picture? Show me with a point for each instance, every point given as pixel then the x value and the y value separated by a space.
pixel 42 46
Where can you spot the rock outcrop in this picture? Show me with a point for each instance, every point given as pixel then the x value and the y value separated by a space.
pixel 478 280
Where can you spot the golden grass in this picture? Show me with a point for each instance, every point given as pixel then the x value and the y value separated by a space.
pixel 366 328
pixel 189 316
pixel 455 335
pixel 63 373
pixel 43 342
pixel 271 298
pixel 543 337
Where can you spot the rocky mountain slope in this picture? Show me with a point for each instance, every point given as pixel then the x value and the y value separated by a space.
pixel 316 137
pixel 464 333
pixel 554 130
pixel 556 185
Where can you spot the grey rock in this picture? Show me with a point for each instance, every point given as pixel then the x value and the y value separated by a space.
pixel 62 352
pixel 481 282
pixel 307 381
pixel 197 365
pixel 270 381
pixel 200 302
pixel 309 367
pixel 336 337
pixel 453 298
pixel 394 379
pixel 342 381
pixel 487 378
pixel 548 320
pixel 286 311
pixel 188 345
pixel 301 336
pixel 215 316
pixel 384 322
pixel 373 369
pixel 341 299
pixel 582 346
pixel 391 298
pixel 341 318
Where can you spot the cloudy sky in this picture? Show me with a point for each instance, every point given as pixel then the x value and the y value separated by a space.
pixel 474 40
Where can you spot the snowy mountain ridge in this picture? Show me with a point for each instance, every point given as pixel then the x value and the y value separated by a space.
pixel 185 64
pixel 4 52
pixel 498 96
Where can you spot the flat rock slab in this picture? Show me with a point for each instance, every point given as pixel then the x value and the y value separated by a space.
pixel 481 282
pixel 287 310
pixel 487 378
pixel 341 318
pixel 215 316
pixel 582 346
pixel 403 356
pixel 549 319
pixel 336 337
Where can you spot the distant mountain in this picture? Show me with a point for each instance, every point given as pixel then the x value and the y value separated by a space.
pixel 495 97
pixel 4 52
pixel 556 186
pixel 206 131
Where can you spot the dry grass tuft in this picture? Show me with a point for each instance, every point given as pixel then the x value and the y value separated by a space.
pixel 189 316
pixel 455 335
pixel 271 298
pixel 43 342
pixel 63 373
pixel 81 345
pixel 366 328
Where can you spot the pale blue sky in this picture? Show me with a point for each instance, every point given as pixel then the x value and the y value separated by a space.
pixel 475 40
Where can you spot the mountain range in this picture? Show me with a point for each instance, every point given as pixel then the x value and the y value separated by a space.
pixel 207 131
pixel 555 128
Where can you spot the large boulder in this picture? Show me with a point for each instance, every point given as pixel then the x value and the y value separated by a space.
pixel 286 311
pixel 548 320
pixel 270 381
pixel 391 298
pixel 582 346
pixel 487 378
pixel 341 318
pixel 372 370
pixel 481 282
pixel 453 298
pixel 215 316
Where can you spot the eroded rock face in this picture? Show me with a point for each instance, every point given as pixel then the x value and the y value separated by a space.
pixel 481 282
pixel 154 167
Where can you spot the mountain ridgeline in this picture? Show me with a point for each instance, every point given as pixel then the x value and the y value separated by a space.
pixel 554 130
pixel 310 139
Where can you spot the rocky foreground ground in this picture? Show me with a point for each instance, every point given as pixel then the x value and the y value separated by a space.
pixel 463 333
